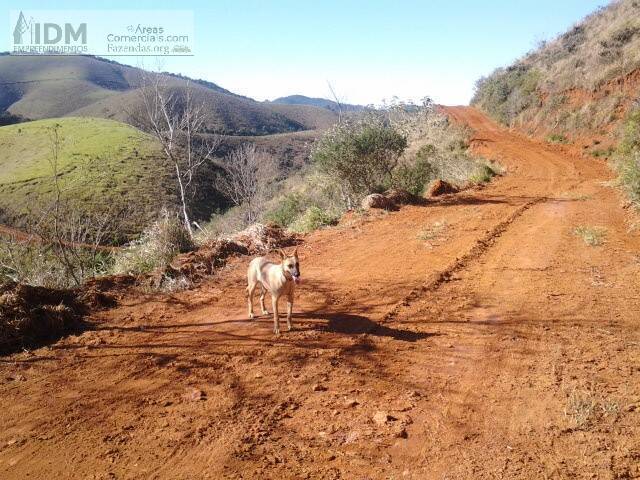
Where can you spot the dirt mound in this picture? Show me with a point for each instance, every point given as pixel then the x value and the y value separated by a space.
pixel 32 315
pixel 102 292
pixel 440 187
pixel 258 239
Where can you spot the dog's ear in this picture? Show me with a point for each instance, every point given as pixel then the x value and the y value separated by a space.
pixel 282 254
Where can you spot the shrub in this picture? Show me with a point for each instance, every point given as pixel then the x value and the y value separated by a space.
pixel 312 219
pixel 413 178
pixel 557 138
pixel 156 247
pixel 361 155
pixel 627 157
pixel 290 207
pixel 484 173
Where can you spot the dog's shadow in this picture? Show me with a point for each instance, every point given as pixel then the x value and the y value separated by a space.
pixel 350 324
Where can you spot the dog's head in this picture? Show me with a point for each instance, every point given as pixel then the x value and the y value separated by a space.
pixel 291 264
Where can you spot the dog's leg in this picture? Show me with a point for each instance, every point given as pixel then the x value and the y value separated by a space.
pixel 264 308
pixel 276 318
pixel 289 310
pixel 250 289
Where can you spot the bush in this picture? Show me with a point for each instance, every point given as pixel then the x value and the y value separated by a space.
pixel 312 219
pixel 413 178
pixel 483 174
pixel 507 92
pixel 627 157
pixel 360 155
pixel 557 138
pixel 156 248
pixel 287 210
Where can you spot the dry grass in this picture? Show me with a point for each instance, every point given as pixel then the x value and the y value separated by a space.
pixel 592 236
pixel 435 231
pixel 584 408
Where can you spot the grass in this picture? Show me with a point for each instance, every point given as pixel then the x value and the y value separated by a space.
pixel 592 236
pixel 583 408
pixel 557 138
pixel 602 152
pixel 433 232
pixel 101 162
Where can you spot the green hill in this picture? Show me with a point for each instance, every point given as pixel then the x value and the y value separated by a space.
pixel 101 162
pixel 317 102
pixel 36 87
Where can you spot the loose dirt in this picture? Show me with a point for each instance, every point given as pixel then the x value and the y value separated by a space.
pixel 474 337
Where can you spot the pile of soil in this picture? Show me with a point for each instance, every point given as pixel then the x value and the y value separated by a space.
pixel 258 239
pixel 440 187
pixel 31 315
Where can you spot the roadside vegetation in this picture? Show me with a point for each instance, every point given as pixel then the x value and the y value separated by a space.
pixel 402 147
pixel 626 159
pixel 561 86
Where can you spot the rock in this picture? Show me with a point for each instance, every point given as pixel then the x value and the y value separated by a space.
pixel 350 403
pixel 376 200
pixel 440 187
pixel 400 432
pixel 351 436
pixel 401 197
pixel 194 395
pixel 381 418
pixel 318 388
pixel 17 377
pixel 258 375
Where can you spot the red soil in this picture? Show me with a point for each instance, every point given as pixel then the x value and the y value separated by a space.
pixel 475 337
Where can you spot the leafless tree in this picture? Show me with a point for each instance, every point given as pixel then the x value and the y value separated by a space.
pixel 174 116
pixel 249 173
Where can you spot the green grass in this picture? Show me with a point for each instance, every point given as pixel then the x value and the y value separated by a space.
pixel 101 162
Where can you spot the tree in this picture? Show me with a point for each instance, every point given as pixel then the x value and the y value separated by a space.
pixel 178 121
pixel 249 172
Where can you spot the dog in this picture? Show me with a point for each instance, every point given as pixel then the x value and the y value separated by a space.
pixel 278 279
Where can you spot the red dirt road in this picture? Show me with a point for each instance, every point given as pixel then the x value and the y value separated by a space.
pixel 477 337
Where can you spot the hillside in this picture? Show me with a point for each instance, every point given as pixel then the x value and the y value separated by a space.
pixel 317 102
pixel 101 162
pixel 577 86
pixel 46 87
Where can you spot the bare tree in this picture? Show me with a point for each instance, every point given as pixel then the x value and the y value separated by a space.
pixel 249 172
pixel 178 121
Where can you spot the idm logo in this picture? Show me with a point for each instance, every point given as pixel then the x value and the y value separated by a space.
pixel 36 33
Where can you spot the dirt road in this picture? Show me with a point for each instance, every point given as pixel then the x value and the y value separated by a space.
pixel 477 337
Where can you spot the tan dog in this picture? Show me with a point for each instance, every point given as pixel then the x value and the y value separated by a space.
pixel 276 278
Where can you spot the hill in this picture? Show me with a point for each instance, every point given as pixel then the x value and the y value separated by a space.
pixel 577 85
pixel 101 162
pixel 317 102
pixel 47 87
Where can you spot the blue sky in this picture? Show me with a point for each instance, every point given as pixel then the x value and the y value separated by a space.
pixel 368 50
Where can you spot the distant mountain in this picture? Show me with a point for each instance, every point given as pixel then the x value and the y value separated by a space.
pixel 317 102
pixel 39 87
